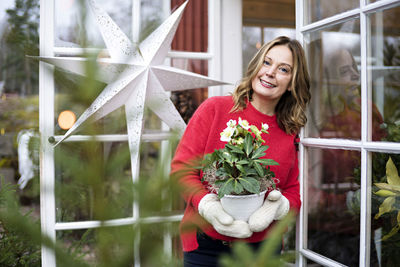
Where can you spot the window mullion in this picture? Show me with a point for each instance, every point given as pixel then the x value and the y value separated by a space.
pixel 301 223
pixel 46 128
pixel 366 124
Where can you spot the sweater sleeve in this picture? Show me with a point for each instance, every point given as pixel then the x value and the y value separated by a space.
pixel 188 153
pixel 291 189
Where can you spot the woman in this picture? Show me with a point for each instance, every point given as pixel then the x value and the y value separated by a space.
pixel 275 90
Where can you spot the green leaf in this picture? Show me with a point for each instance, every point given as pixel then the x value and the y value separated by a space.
pixel 385 186
pixel 398 217
pixel 250 184
pixel 385 193
pixel 391 173
pixel 259 169
pixel 386 206
pixel 261 161
pixel 271 162
pixel 248 144
pixel 221 172
pixel 243 162
pixel 226 188
pixel 241 169
pixel 250 171
pixel 259 152
pixel 391 233
pixel 234 148
pixel 237 187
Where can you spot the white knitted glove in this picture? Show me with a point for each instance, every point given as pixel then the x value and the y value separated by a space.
pixel 210 208
pixel 275 207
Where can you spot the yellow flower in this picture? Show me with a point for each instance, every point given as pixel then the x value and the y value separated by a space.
pixel 231 123
pixel 227 134
pixel 245 124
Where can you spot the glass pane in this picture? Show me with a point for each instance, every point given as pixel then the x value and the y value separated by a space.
pixel 158 194
pixel 192 32
pixel 333 203
pixel 385 235
pixel 73 96
pixel 93 181
pixel 19 109
pixel 151 16
pixel 78 246
pixel 251 42
pixel 384 75
pixel 106 246
pixel 187 101
pixel 333 56
pixel 68 23
pixel 271 33
pixel 154 238
pixel 315 10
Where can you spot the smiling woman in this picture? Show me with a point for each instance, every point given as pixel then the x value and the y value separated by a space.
pixel 274 91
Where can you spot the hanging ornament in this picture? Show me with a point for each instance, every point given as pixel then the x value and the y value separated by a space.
pixel 135 77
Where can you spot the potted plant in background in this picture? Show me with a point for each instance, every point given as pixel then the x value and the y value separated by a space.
pixel 237 172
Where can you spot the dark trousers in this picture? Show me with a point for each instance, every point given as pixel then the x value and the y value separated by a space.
pixel 209 252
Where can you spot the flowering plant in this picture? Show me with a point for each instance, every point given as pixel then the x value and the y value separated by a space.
pixel 238 167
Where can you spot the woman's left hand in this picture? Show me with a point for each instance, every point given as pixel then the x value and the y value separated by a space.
pixel 275 207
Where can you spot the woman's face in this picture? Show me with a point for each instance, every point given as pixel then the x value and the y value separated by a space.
pixel 274 77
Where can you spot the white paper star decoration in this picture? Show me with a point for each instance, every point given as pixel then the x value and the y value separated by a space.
pixel 135 77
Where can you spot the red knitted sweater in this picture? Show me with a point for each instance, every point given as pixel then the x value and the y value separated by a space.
pixel 202 136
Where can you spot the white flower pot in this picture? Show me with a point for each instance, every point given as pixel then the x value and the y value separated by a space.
pixel 241 207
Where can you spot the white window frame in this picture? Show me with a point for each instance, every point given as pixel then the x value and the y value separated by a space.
pixel 365 146
pixel 224 32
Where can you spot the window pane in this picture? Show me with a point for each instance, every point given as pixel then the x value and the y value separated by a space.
pixel 106 246
pixel 73 95
pixel 385 235
pixel 159 195
pixel 68 22
pixel 153 240
pixel 315 10
pixel 192 32
pixel 384 75
pixel 251 42
pixel 79 246
pixel 332 201
pixel 271 33
pixel 187 101
pixel 93 181
pixel 19 104
pixel 333 59
pixel 151 16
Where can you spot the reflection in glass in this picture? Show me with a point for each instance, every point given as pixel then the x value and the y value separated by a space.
pixel 93 181
pixel 68 25
pixel 272 33
pixel 319 9
pixel 251 42
pixel 151 16
pixel 73 93
pixel 158 194
pixel 335 109
pixel 187 101
pixel 333 207
pixel 78 244
pixel 192 32
pixel 19 106
pixel 385 235
pixel 384 74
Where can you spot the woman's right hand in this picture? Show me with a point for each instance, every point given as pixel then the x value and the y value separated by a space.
pixel 211 209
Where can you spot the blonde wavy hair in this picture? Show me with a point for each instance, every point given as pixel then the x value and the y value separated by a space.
pixel 291 108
